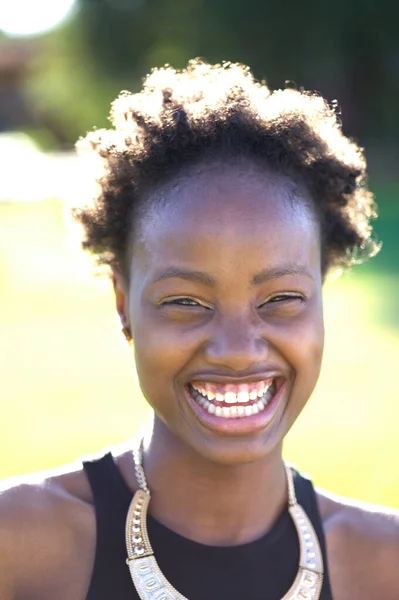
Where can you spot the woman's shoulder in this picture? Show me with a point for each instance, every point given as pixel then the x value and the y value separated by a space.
pixel 47 524
pixel 48 530
pixel 362 547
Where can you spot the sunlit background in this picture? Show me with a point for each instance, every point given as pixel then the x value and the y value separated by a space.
pixel 25 18
pixel 67 378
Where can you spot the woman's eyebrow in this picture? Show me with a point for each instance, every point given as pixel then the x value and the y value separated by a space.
pixel 196 276
pixel 207 279
pixel 281 271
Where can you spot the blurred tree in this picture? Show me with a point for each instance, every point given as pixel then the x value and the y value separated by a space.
pixel 344 50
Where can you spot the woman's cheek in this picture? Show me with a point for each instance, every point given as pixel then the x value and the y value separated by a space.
pixel 306 353
pixel 167 345
pixel 161 353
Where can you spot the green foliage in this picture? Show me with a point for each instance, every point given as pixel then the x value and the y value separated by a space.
pixel 344 50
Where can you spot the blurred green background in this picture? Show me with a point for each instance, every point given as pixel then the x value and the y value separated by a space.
pixel 67 378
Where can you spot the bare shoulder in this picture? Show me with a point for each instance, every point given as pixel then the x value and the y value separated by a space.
pixel 47 526
pixel 362 548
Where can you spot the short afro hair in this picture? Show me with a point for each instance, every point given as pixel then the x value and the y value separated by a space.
pixel 184 117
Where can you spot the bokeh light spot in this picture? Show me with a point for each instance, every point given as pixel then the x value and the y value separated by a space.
pixel 26 18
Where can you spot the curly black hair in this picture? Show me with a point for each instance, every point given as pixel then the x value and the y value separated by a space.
pixel 181 118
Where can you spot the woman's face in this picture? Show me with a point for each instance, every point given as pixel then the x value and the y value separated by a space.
pixel 225 308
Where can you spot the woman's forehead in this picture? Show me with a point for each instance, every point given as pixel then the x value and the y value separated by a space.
pixel 227 220
pixel 232 197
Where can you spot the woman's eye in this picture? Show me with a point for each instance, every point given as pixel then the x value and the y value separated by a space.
pixel 183 302
pixel 284 298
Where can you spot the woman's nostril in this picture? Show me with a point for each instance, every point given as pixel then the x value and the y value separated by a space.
pixel 237 351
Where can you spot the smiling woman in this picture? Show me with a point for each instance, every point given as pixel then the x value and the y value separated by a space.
pixel 224 310
pixel 221 207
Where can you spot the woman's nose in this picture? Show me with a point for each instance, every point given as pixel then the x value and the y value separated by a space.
pixel 237 346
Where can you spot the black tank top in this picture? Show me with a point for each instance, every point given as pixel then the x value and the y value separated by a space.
pixel 259 570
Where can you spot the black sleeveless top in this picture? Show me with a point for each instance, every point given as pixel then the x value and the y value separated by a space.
pixel 259 570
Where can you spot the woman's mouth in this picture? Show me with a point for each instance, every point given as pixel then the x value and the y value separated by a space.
pixel 233 401
pixel 236 409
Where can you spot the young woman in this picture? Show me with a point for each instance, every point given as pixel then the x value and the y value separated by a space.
pixel 221 207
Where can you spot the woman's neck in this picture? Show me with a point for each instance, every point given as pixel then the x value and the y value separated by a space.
pixel 211 503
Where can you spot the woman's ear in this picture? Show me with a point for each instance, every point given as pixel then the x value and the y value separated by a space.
pixel 122 302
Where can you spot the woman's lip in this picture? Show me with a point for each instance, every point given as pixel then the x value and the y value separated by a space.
pixel 224 380
pixel 242 425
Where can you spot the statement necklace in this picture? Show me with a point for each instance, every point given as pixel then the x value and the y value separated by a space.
pixel 150 582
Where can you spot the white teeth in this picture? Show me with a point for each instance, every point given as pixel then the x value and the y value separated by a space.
pixel 238 402
pixel 202 392
pixel 231 412
pixel 230 398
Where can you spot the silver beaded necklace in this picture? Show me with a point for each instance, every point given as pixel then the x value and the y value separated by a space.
pixel 150 582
